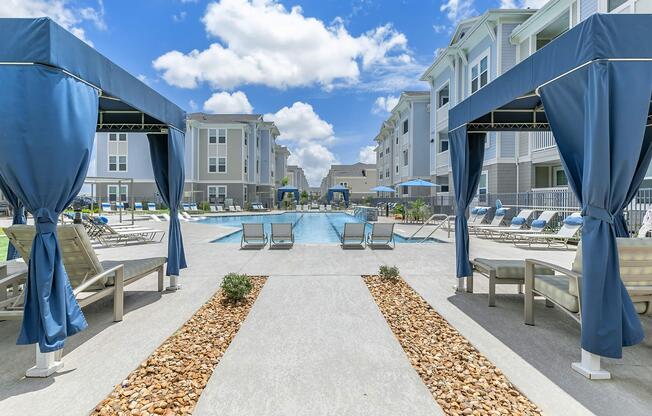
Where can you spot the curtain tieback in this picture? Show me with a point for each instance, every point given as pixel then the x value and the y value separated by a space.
pixel 598 213
pixel 45 221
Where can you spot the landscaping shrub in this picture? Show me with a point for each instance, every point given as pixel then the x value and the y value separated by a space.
pixel 236 286
pixel 389 272
pixel 204 206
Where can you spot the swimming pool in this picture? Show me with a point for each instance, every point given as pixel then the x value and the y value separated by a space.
pixel 308 227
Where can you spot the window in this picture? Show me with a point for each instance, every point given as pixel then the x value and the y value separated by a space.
pixel 405 126
pixel 212 164
pixel 244 193
pixel 443 143
pixel 246 135
pixel 387 150
pixel 396 168
pixel 614 4
pixel 246 162
pixel 221 136
pixel 257 166
pixel 118 150
pixel 258 141
pixel 221 165
pixel 442 96
pixel 396 138
pixel 479 73
pixel 114 195
pixel 404 190
pixel 380 155
pixel 405 158
pixel 216 194
pixel 482 187
pixel 387 173
pixel 212 136
pixel 560 177
pixel 380 176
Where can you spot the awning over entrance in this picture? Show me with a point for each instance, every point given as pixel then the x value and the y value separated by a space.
pixel 56 93
pixel 592 87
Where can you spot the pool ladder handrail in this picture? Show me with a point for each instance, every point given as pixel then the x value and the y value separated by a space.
pixel 444 219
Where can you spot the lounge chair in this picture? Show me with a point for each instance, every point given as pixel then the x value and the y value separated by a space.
pixel 151 206
pixel 213 208
pixel 138 206
pixel 562 289
pixel 517 223
pixel 166 217
pixel 567 233
pixel 322 207
pixel 382 236
pixel 646 226
pixel 238 208
pixel 120 206
pixel 220 208
pixel 282 235
pixel 231 208
pixel 181 217
pixel 106 207
pixel 90 278
pixel 537 226
pixel 253 236
pixel 111 235
pixel 329 207
pixel 193 207
pixel 314 205
pixel 353 235
pixel 497 221
pixel 191 218
pixel 154 218
pixel 186 206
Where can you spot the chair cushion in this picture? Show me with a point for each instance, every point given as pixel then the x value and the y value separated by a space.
pixel 501 211
pixel 538 223
pixel 556 289
pixel 571 220
pixel 518 221
pixel 499 204
pixel 509 269
pixel 133 268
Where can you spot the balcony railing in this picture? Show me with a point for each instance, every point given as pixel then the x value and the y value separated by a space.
pixel 542 140
pixel 443 159
pixel 442 113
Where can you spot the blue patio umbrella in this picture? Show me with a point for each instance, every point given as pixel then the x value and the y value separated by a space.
pixel 418 182
pixel 382 189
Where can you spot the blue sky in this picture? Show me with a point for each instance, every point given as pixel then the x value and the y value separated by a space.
pixel 325 71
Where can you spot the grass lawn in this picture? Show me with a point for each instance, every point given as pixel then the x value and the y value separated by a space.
pixel 4 242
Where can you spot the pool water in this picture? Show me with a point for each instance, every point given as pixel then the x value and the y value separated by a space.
pixel 308 227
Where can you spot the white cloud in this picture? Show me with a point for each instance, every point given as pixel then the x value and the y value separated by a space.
pixel 439 28
pixel 261 42
pixel 193 105
pixel 458 10
pixel 308 137
pixel 226 103
pixel 58 10
pixel 384 105
pixel 179 17
pixel 522 4
pixel 367 154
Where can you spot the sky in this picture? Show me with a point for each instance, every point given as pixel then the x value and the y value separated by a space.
pixel 327 72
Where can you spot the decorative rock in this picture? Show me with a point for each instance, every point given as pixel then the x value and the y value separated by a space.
pixel 460 378
pixel 170 381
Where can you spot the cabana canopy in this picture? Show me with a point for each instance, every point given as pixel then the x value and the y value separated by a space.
pixel 341 189
pixel 592 87
pixel 287 189
pixel 382 189
pixel 56 93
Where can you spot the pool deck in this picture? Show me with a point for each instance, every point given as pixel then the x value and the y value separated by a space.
pixel 314 306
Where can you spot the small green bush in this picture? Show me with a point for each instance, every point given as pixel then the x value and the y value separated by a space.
pixel 236 286
pixel 389 272
pixel 204 206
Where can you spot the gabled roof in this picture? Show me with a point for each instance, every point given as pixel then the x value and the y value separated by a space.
pixel 225 118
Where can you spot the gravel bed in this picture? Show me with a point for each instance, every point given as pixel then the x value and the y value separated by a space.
pixel 170 381
pixel 460 378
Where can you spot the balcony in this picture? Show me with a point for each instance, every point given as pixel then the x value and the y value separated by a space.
pixel 443 162
pixel 542 140
pixel 442 115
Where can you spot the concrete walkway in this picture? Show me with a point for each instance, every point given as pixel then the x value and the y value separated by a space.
pixel 315 345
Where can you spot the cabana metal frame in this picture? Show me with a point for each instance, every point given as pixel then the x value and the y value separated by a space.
pixel 592 87
pixel 280 193
pixel 57 92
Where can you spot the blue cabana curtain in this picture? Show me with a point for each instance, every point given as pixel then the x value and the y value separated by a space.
pixel 167 162
pixel 19 214
pixel 281 192
pixel 467 152
pixel 47 129
pixel 344 192
pixel 598 116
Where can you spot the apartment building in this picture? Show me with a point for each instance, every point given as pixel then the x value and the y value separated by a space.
pixel 402 145
pixel 281 154
pixel 227 157
pixel 359 178
pixel 297 178
pixel 481 49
